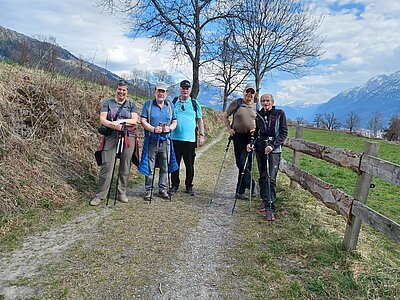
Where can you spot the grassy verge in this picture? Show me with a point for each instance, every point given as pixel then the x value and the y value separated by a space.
pixel 300 256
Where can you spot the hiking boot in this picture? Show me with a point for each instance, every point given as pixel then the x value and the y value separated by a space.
pixel 173 190
pixel 261 208
pixel 95 201
pixel 147 196
pixel 269 215
pixel 122 198
pixel 190 191
pixel 242 196
pixel 163 194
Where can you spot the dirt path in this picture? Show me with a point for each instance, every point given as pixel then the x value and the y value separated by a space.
pixel 190 266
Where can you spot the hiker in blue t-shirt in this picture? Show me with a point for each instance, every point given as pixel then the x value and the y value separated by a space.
pixel 190 123
pixel 158 120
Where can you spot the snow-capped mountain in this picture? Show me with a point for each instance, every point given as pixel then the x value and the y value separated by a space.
pixel 379 94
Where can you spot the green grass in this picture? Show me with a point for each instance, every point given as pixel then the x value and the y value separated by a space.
pixel 383 198
pixel 300 255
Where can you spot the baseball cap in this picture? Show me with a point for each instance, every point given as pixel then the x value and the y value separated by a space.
pixel 250 86
pixel 161 86
pixel 185 83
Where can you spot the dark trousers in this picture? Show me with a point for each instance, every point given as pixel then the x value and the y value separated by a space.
pixel 185 150
pixel 240 142
pixel 268 189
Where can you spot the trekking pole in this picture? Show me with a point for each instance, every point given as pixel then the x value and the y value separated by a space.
pixel 118 154
pixel 241 180
pixel 251 177
pixel 168 175
pixel 220 170
pixel 115 161
pixel 268 181
pixel 155 162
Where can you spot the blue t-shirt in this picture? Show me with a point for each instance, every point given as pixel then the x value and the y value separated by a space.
pixel 186 120
pixel 158 115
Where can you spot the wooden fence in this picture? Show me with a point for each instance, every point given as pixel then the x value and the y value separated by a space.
pixel 352 208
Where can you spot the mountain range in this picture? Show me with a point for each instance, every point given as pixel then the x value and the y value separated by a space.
pixel 379 94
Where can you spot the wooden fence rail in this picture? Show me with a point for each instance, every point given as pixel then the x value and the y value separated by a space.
pixel 352 208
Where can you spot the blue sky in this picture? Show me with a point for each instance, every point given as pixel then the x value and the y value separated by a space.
pixel 361 41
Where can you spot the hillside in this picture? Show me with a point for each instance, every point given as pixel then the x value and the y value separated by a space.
pixel 49 56
pixel 48 133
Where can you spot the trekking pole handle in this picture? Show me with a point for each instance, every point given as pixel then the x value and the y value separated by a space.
pixel 164 130
pixel 156 129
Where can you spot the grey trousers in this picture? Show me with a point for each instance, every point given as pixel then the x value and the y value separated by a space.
pixel 163 156
pixel 108 157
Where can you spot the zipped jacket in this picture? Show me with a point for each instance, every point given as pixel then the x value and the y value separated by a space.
pixel 271 129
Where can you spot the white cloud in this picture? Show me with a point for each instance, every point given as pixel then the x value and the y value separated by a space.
pixel 359 45
pixel 83 29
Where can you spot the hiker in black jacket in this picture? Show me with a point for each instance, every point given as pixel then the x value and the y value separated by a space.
pixel 271 132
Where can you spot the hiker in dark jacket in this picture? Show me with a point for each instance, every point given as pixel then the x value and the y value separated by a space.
pixel 270 134
pixel 243 112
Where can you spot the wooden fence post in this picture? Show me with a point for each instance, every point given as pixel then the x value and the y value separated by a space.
pixel 360 194
pixel 296 154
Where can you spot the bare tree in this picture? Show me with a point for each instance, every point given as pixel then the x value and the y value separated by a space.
pixel 148 77
pixel 276 34
pixel 330 122
pixel 300 121
pixel 392 133
pixel 136 77
pixel 46 53
pixel 187 24
pixel 228 74
pixel 375 123
pixel 164 76
pixel 352 121
pixel 23 53
pixel 319 120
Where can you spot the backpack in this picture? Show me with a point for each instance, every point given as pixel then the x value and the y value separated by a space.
pixel 239 104
pixel 193 104
pixel 195 110
pixel 149 110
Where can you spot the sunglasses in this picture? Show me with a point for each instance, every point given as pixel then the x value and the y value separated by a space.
pixel 250 91
pixel 183 107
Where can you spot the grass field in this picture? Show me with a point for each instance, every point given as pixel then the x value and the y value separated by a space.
pixel 300 256
pixel 384 198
